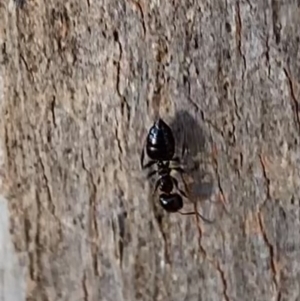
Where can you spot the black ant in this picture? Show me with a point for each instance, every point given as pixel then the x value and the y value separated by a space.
pixel 160 148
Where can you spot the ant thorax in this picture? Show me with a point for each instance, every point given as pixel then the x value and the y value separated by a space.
pixel 162 164
pixel 163 168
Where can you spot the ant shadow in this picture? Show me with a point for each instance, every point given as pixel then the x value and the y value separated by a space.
pixel 189 135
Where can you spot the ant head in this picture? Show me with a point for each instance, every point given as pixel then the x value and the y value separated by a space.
pixel 171 202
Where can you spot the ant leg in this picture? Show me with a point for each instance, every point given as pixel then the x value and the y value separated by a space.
pixel 176 185
pixel 142 156
pixel 149 164
pixel 156 187
pixel 183 151
pixel 197 213
pixel 184 148
pixel 179 169
pixel 176 159
pixel 151 173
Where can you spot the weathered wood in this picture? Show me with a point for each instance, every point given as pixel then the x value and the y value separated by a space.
pixel 81 83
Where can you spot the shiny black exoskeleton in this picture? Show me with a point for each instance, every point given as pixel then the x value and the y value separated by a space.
pixel 160 148
pixel 160 143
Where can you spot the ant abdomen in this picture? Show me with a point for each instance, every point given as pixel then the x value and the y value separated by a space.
pixel 171 202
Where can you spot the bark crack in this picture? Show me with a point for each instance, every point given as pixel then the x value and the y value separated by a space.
pixel 188 85
pixel 275 18
pixel 222 197
pixel 122 216
pixel 27 226
pixel 139 7
pixel 224 281
pixel 93 217
pixel 119 144
pixel 119 235
pixel 51 206
pixel 124 103
pixel 53 103
pixel 48 189
pixel 263 231
pixel 200 231
pixel 26 64
pixel 268 55
pixel 295 103
pixel 236 108
pixel 267 180
pixel 270 247
pixel 217 266
pixel 238 21
pixel 7 146
pixel 84 287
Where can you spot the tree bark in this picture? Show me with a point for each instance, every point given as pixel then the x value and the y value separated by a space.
pixel 81 84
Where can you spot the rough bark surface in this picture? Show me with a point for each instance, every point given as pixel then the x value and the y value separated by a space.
pixel 81 83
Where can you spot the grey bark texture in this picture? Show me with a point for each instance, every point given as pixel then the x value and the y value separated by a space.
pixel 82 82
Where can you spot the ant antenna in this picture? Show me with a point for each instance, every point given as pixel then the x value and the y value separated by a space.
pixel 200 215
